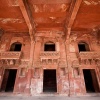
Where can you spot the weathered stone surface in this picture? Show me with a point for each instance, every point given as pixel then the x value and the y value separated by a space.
pixel 60 35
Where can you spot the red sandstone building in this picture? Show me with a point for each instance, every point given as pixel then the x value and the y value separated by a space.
pixel 50 46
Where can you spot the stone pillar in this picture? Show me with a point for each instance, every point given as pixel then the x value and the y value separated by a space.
pixel 28 89
pixel 57 46
pixel 68 67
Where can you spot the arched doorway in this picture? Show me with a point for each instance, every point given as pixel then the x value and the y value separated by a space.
pixel 16 46
pixel 49 46
pixel 82 46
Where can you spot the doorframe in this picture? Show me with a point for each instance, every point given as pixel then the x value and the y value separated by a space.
pixel 3 77
pixel 89 68
pixel 56 79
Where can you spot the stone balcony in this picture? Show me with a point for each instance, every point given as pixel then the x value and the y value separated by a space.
pixel 89 55
pixel 89 58
pixel 49 57
pixel 10 57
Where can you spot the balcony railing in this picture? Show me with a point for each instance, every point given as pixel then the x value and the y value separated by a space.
pixel 49 55
pixel 89 55
pixel 10 55
pixel 89 58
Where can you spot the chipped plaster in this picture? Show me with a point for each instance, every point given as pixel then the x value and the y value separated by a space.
pixel 10 20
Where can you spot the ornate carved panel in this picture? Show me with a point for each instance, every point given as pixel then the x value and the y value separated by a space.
pixel 89 55
pixel 50 55
pixel 10 61
pixel 89 58
pixel 10 55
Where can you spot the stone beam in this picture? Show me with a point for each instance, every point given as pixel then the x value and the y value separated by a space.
pixel 73 16
pixel 26 14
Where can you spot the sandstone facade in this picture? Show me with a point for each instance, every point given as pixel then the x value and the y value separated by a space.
pixel 50 46
pixel 50 52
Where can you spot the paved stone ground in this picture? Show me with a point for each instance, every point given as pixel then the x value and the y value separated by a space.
pixel 14 97
pixel 48 98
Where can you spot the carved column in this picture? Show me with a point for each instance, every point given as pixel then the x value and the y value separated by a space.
pixel 68 67
pixel 28 86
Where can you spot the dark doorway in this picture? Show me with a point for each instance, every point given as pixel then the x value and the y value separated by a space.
pixel 16 47
pixel 9 80
pixel 49 47
pixel 90 80
pixel 49 81
pixel 83 47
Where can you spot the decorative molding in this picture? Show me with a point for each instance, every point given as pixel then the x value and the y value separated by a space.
pixel 89 58
pixel 49 55
pixel 9 61
pixel 10 55
pixel 89 55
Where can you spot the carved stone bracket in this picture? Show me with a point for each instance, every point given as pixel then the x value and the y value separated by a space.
pixel 9 61
pixel 10 58
pixel 42 62
pixel 49 57
pixel 89 58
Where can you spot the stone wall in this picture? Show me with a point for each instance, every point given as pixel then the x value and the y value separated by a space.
pixel 66 60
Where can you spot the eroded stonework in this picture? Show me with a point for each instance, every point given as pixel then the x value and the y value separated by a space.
pixel 50 46
pixel 66 59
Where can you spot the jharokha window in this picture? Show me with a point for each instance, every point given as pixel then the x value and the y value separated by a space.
pixel 49 46
pixel 16 46
pixel 82 46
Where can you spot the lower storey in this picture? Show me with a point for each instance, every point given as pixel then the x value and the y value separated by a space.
pixel 37 81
